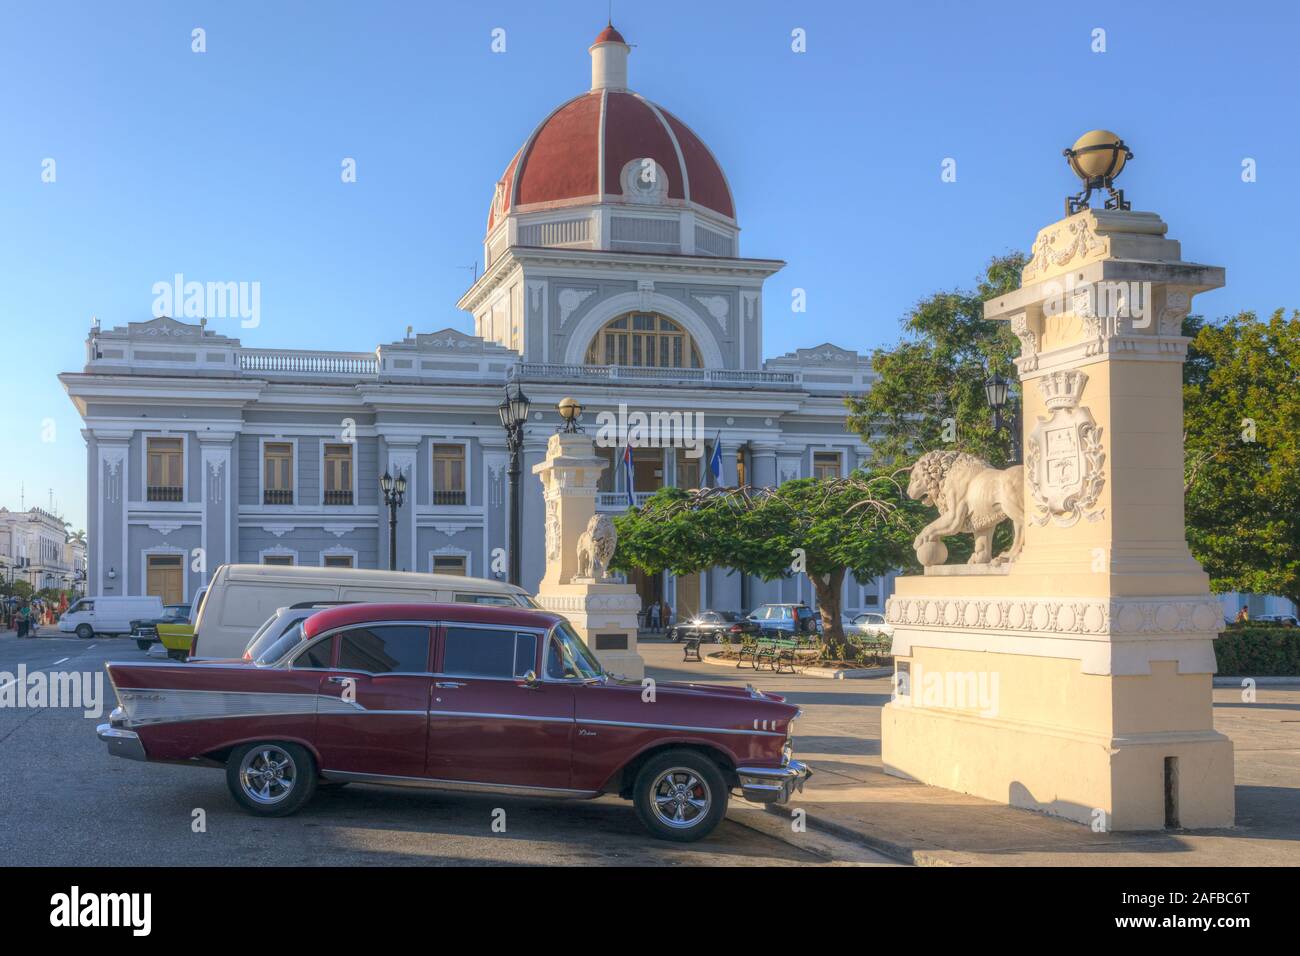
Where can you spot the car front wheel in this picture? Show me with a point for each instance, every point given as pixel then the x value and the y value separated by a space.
pixel 680 795
pixel 271 779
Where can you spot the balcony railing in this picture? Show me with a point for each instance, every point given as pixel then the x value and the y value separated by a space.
pixel 448 497
pixel 704 377
pixel 617 500
pixel 277 496
pixel 164 493
pixel 303 362
pixel 338 497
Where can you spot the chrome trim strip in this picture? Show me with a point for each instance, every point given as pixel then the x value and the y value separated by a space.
pixel 472 713
pixel 700 730
pixel 432 783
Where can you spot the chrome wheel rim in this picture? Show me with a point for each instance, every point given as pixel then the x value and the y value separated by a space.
pixel 267 774
pixel 681 798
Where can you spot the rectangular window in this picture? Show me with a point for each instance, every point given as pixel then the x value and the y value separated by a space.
pixel 277 469
pixel 338 474
pixel 319 655
pixel 489 600
pixel 448 474
pixel 280 560
pixel 688 470
pixel 386 649
pixel 166 459
pixel 449 564
pixel 338 560
pixel 486 652
pixel 826 464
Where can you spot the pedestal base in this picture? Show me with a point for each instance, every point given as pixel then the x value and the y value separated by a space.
pixel 1134 752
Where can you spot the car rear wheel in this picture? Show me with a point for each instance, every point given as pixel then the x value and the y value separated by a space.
pixel 680 795
pixel 85 632
pixel 271 779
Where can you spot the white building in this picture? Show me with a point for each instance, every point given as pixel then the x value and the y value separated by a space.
pixel 613 274
pixel 34 547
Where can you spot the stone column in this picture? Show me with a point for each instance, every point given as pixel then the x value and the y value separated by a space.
pixel 217 496
pixel 601 611
pixel 1087 662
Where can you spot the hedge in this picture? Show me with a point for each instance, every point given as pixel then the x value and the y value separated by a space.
pixel 1269 651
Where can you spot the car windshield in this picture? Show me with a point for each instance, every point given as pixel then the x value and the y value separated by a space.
pixel 176 612
pixel 276 649
pixel 568 657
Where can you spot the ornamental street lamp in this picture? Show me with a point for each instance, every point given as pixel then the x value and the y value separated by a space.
pixel 394 490
pixel 998 390
pixel 513 410
pixel 1097 157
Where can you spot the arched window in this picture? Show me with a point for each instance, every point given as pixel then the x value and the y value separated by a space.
pixel 644 339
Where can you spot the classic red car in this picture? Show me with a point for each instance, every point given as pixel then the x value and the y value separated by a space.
pixel 455 696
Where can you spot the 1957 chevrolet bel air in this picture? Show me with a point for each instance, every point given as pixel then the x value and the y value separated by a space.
pixel 455 696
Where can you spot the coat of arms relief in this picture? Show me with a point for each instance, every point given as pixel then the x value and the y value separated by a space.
pixel 1063 455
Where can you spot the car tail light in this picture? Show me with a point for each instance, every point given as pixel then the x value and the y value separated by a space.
pixel 735 629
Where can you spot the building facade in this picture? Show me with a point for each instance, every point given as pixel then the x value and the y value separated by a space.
pixel 612 274
pixel 35 547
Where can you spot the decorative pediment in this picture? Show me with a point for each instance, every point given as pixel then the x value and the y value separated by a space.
pixel 824 354
pixel 450 340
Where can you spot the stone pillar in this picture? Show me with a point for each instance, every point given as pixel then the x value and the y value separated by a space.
pixel 1077 679
pixel 600 610
pixel 216 467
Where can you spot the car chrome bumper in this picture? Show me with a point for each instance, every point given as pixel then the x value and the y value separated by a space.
pixel 772 784
pixel 121 742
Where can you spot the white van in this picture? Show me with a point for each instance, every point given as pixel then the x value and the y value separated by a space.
pixel 241 597
pixel 108 615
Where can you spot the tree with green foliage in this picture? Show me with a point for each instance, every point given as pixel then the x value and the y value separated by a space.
pixel 929 393
pixel 1241 401
pixel 824 528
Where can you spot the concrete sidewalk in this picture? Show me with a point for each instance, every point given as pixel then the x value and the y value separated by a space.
pixel 852 798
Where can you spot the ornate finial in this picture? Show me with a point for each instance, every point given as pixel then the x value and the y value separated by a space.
pixel 1097 157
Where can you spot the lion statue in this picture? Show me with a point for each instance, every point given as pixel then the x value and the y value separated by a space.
pixel 596 547
pixel 972 498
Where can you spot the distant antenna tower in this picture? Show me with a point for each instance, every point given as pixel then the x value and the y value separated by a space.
pixel 473 268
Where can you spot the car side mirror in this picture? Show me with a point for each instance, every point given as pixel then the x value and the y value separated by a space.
pixel 530 680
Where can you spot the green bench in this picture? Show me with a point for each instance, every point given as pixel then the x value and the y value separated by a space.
pixel 774 651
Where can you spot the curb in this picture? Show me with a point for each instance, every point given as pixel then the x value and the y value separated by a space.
pixel 818 841
pixel 830 673
pixel 897 852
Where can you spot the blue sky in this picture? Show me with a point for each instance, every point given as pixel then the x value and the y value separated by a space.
pixel 225 165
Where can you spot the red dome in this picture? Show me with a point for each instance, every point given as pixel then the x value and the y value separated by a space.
pixel 561 163
pixel 609 33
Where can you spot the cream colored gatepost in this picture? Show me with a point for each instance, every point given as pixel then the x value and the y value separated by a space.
pixel 579 544
pixel 1075 678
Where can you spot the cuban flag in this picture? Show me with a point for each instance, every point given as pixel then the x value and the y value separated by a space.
pixel 627 475
pixel 715 461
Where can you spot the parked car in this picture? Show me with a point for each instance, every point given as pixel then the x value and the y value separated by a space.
pixel 870 624
pixel 108 615
pixel 177 636
pixel 1285 620
pixel 273 640
pixel 710 626
pixel 145 632
pixel 242 596
pixel 786 620
pixel 456 697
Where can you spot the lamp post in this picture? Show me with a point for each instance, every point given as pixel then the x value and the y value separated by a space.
pixel 513 410
pixel 394 490
pixel 997 390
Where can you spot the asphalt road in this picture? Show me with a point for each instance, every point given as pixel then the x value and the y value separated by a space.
pixel 65 802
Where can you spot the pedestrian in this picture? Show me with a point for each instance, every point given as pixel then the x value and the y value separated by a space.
pixel 666 615
pixel 1243 616
pixel 654 617
pixel 24 616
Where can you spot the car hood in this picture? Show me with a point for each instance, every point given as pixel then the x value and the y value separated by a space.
pixel 693 688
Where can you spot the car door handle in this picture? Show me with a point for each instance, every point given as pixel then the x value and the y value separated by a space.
pixel 448 684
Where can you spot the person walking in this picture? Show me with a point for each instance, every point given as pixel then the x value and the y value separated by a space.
pixel 24 620
pixel 1243 616
pixel 653 614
